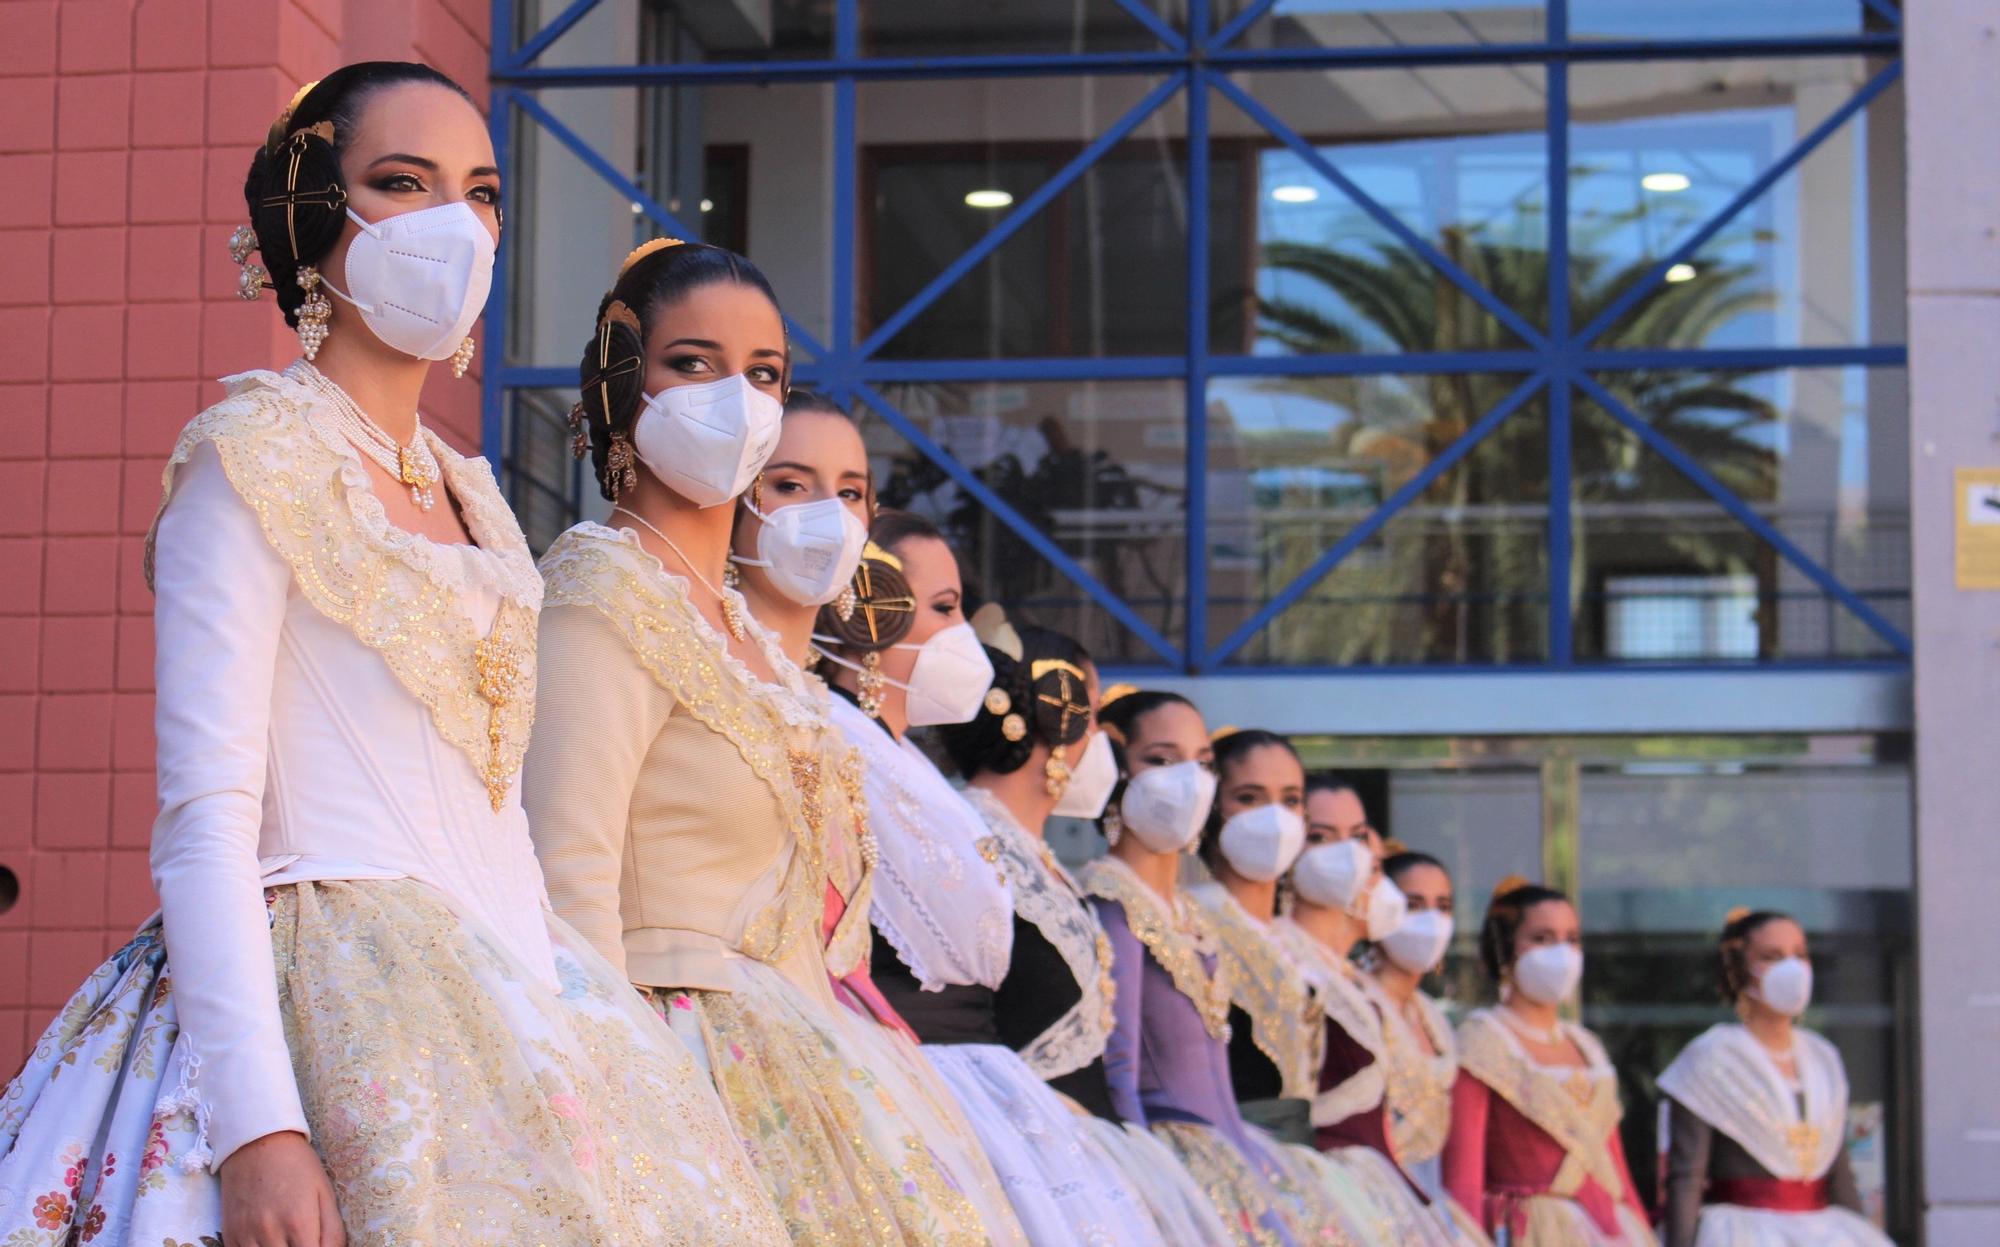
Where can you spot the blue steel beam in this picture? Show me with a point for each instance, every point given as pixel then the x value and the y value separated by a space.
pixel 534 47
pixel 1233 29
pixel 1006 514
pixel 1195 438
pixel 1657 274
pixel 1741 511
pixel 1411 490
pixel 1144 14
pixel 1388 220
pixel 648 206
pixel 1022 212
pixel 1561 637
pixel 492 387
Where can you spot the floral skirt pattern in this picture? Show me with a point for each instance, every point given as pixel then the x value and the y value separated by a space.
pixel 1244 1189
pixel 852 1144
pixel 1379 1205
pixel 453 1098
pixel 1179 1206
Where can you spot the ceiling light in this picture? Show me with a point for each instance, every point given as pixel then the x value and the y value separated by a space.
pixel 1294 194
pixel 1665 183
pixel 990 198
pixel 1681 272
pixel 708 205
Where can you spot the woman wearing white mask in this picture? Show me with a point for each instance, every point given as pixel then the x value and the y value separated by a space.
pixel 1758 1110
pixel 1419 1052
pixel 1167 1059
pixel 686 789
pixel 1534 1143
pixel 796 546
pixel 375 1031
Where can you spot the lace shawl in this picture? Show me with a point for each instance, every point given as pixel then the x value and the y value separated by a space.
pixel 1578 1108
pixel 1269 985
pixel 1726 1078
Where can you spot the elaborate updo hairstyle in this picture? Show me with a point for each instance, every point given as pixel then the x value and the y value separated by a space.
pixel 1510 904
pixel 1404 860
pixel 1119 709
pixel 1232 746
pixel 1040 696
pixel 1732 965
pixel 296 196
pixel 883 608
pixel 613 372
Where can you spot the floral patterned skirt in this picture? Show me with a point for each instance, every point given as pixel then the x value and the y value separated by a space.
pixel 1376 1201
pixel 1242 1186
pixel 452 1096
pixel 1180 1208
pixel 853 1136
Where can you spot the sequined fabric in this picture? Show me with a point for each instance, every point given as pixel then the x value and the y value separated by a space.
pixel 453 1099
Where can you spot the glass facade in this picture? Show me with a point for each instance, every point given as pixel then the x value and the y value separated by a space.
pixel 1308 339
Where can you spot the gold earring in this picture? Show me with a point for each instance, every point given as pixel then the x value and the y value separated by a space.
pixel 252 277
pixel 314 313
pixel 1055 774
pixel 619 469
pixel 843 606
pixel 1114 825
pixel 461 359
pixel 731 578
pixel 868 695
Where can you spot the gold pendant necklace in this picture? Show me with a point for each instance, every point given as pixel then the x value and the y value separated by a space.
pixel 732 615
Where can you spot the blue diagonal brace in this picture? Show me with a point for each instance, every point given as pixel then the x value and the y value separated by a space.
pixel 1234 28
pixel 1055 554
pixel 526 54
pixel 1382 216
pixel 1022 212
pixel 653 210
pixel 1411 490
pixel 1144 14
pixel 1726 498
pixel 1654 276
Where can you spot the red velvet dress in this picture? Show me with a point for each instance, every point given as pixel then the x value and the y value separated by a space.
pixel 1536 1149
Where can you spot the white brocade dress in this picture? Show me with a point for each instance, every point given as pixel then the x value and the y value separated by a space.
pixel 1052 1161
pixel 356 944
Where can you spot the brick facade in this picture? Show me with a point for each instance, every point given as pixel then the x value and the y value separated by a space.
pixel 129 125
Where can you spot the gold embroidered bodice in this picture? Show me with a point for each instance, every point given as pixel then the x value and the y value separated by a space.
pixel 1178 937
pixel 1418 1074
pixel 1577 1107
pixel 1271 988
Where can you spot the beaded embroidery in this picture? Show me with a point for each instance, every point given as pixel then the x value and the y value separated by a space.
pixel 1177 942
pixel 1418 1080
pixel 401 594
pixel 1268 985
pixel 1726 1078
pixel 1581 1126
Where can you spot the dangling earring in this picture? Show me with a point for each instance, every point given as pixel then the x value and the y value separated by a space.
pixel 843 606
pixel 461 359
pixel 731 578
pixel 314 313
pixel 1114 825
pixel 579 437
pixel 252 277
pixel 1056 772
pixel 868 694
pixel 619 469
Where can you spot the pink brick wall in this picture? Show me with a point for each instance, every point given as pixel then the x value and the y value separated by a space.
pixel 128 126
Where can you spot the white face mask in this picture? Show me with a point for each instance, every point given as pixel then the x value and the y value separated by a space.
pixel 1090 780
pixel 809 549
pixel 1164 807
pixel 420 279
pixel 950 679
pixel 1548 974
pixel 1786 986
pixel 1419 944
pixel 1387 907
pixel 707 442
pixel 1262 843
pixel 1331 875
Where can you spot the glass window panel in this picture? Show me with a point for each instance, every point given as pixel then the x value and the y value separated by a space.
pixel 1097 466
pixel 1664 573
pixel 1458 576
pixel 1721 19
pixel 999 27
pixel 1658 149
pixel 706 30
pixel 1457 155
pixel 1100 271
pixel 548 487
pixel 1386 23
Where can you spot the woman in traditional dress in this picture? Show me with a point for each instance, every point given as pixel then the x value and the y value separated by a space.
pixel 376 1030
pixel 1757 1111
pixel 797 543
pixel 939 971
pixel 1167 1060
pixel 1534 1143
pixel 1419 1051
pixel 683 784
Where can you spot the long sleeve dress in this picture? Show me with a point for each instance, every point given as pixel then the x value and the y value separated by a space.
pixel 682 810
pixel 354 941
pixel 1167 1061
pixel 1755 1160
pixel 940 890
pixel 1535 1148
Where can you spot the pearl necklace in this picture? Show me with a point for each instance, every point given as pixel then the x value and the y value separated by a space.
pixel 413 465
pixel 732 616
pixel 1549 1038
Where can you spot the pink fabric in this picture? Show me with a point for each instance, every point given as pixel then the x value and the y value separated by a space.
pixel 857 991
pixel 1495 1158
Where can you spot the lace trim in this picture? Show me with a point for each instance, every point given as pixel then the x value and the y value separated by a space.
pixel 1726 1078
pixel 1578 1108
pixel 850 864
pixel 1046 895
pixel 1418 1082
pixel 1267 983
pixel 1177 941
pixel 594 567
pixel 401 594
pixel 1339 997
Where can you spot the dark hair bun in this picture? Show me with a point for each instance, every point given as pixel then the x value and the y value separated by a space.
pixel 1014 719
pixel 884 607
pixel 613 374
pixel 298 206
